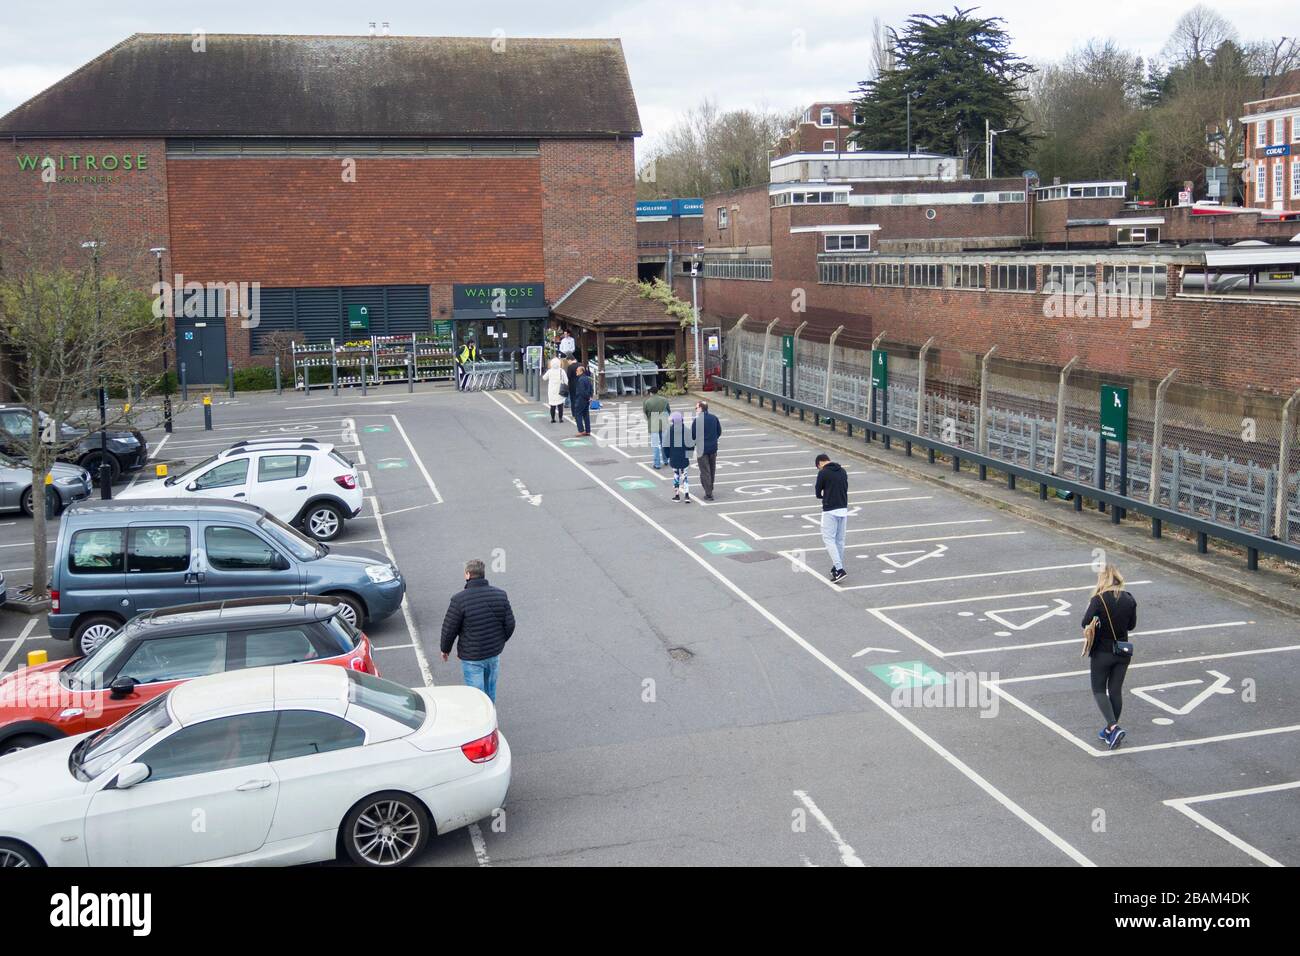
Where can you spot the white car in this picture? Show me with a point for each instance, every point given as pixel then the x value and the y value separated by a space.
pixel 300 481
pixel 280 765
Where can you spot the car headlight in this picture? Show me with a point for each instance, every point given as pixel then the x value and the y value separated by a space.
pixel 125 441
pixel 69 480
pixel 381 573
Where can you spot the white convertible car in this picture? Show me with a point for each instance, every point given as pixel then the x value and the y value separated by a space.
pixel 278 765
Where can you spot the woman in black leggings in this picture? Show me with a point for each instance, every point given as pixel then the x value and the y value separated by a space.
pixel 1116 611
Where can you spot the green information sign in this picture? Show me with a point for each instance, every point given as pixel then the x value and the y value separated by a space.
pixel 442 330
pixel 1114 413
pixel 358 318
pixel 879 368
pixel 787 351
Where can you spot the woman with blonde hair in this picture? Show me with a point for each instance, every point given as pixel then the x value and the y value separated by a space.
pixel 1115 614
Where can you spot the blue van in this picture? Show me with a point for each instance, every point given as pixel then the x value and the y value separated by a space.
pixel 117 559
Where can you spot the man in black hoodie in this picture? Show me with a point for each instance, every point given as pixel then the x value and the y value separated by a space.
pixel 833 490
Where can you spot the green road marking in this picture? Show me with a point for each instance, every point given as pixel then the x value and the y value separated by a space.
pixel 384 463
pixel 636 483
pixel 375 428
pixel 537 414
pixel 727 546
pixel 575 443
pixel 907 674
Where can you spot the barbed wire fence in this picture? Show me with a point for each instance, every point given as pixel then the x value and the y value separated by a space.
pixel 1223 457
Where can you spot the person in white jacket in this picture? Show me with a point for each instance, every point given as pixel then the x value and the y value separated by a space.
pixel 554 379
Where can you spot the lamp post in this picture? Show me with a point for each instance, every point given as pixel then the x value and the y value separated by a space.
pixel 695 311
pixel 105 471
pixel 167 391
pixel 910 95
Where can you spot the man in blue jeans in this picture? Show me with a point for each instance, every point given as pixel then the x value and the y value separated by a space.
pixel 481 620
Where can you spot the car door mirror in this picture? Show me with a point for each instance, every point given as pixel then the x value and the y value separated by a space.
pixel 279 562
pixel 130 775
pixel 192 486
pixel 122 687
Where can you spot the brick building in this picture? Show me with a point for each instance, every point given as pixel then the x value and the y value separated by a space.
pixel 1273 145
pixel 408 174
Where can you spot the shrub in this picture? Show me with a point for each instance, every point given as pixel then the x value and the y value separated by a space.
pixel 258 378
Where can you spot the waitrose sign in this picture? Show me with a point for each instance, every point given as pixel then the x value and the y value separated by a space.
pixel 83 167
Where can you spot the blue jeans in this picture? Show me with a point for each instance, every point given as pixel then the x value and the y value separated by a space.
pixel 657 446
pixel 833 530
pixel 483 675
pixel 582 416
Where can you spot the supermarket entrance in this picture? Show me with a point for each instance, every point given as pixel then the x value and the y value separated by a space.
pixel 499 340
pixel 503 318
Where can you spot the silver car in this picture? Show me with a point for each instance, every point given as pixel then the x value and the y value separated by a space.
pixel 71 483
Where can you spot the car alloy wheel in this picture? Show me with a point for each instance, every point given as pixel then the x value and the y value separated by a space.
pixel 387 832
pixel 324 522
pixel 14 744
pixel 26 503
pixel 14 855
pixel 95 635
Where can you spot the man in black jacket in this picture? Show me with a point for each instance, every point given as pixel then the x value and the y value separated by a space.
pixel 481 619
pixel 833 490
pixel 706 429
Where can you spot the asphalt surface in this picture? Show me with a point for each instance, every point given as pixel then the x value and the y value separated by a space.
pixel 686 687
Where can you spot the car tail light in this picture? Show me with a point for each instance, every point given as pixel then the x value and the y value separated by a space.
pixel 346 481
pixel 54 601
pixel 481 750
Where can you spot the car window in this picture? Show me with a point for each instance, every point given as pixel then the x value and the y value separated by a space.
pixel 97 552
pixel 176 658
pixel 280 467
pixel 282 646
pixel 305 732
pixel 18 424
pixel 340 636
pixel 156 550
pixel 235 549
pixel 298 544
pixel 384 697
pixel 340 459
pixel 219 744
pixel 101 751
pixel 192 470
pixel 87 672
pixel 224 475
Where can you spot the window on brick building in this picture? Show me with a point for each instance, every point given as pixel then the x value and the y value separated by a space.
pixel 966 276
pixel 1073 279
pixel 828 146
pixel 1137 235
pixel 1013 278
pixel 1277 131
pixel 1277 179
pixel 1295 179
pixel 827 117
pixel 1295 127
pixel 1133 280
pixel 1261 183
pixel 925 275
pixel 837 242
pixel 1261 133
pixel 722 217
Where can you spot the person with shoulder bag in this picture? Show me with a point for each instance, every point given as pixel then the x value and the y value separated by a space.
pixel 1111 615
pixel 557 386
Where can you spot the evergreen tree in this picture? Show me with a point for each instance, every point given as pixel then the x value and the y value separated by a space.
pixel 959 72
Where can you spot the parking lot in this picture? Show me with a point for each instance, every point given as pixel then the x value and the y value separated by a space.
pixel 687 687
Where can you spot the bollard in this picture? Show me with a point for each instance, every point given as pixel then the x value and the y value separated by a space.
pixel 363 375
pixel 334 373
pixel 230 378
pixel 49 496
pixel 160 471
pixel 410 374
pixel 185 386
pixel 207 413
pixel 37 658
pixel 105 469
pixel 278 389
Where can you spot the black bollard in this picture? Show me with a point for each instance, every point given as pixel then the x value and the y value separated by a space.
pixel 207 413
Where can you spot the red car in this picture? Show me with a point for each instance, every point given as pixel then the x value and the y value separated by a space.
pixel 154 652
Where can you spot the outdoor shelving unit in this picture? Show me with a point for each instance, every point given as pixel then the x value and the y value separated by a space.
pixel 385 359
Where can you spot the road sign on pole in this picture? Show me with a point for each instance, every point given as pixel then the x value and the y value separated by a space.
pixel 787 351
pixel 1114 413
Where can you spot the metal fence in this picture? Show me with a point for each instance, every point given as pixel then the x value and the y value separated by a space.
pixel 1228 459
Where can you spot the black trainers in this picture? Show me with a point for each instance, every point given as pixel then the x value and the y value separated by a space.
pixel 688 496
pixel 677 497
pixel 839 574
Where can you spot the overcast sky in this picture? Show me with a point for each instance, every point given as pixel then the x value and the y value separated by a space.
pixel 775 53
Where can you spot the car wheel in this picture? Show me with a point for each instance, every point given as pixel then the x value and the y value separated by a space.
pixel 386 829
pixel 25 502
pixel 93 631
pixel 13 853
pixel 91 464
pixel 352 611
pixel 324 521
pixel 21 742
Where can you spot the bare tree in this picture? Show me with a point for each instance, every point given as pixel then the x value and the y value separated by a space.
pixel 70 328
pixel 1197 34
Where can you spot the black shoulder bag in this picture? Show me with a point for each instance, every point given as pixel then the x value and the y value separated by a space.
pixel 1122 648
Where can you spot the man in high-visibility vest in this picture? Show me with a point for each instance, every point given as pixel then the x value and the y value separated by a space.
pixel 468 353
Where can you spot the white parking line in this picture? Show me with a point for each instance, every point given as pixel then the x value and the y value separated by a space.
pixel 1075 640
pixel 420 658
pixel 419 462
pixel 847 855
pixel 966 577
pixel 18 642
pixel 876 700
pixel 726 516
pixel 812 502
pixel 1182 805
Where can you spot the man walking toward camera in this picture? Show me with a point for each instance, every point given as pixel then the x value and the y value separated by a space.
pixel 833 490
pixel 481 620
